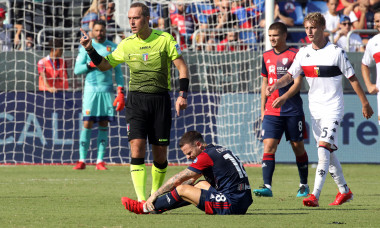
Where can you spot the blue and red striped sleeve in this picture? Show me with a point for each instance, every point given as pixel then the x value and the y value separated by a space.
pixel 202 162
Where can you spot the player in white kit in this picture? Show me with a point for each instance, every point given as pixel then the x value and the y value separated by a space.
pixel 324 64
pixel 372 54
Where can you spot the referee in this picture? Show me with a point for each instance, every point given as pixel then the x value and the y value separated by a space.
pixel 148 53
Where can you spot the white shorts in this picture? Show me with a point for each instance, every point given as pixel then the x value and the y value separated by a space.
pixel 326 130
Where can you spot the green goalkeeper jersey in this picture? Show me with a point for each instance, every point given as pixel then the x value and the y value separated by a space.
pixel 149 61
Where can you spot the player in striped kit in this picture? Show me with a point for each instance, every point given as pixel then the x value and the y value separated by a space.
pixel 224 191
pixel 372 54
pixel 281 112
pixel 324 65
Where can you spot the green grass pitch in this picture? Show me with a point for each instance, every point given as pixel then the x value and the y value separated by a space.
pixel 57 196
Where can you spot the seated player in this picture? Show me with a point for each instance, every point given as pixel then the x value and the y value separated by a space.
pixel 225 191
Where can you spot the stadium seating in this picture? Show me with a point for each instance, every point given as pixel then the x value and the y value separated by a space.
pixel 316 6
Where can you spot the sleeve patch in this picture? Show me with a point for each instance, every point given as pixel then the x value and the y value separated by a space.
pixel 178 49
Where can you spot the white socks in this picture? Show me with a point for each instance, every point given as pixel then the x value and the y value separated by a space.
pixel 337 174
pixel 328 163
pixel 322 170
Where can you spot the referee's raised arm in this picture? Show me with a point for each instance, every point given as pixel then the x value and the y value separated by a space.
pixel 100 62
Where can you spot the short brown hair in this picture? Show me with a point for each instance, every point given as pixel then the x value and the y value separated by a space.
pixel 145 9
pixel 281 27
pixel 315 18
pixel 191 137
pixel 55 43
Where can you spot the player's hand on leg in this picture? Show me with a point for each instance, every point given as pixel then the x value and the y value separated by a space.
pixel 148 205
pixel 180 104
pixel 85 40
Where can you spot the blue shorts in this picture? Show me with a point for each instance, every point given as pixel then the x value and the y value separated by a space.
pixel 294 127
pixel 214 202
pixel 98 106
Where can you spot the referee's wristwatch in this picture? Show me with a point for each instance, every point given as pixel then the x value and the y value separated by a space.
pixel 183 94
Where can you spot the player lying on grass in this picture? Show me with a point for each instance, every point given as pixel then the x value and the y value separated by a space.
pixel 226 189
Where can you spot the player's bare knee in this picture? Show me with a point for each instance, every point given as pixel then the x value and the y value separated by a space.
pixel 298 148
pixel 202 185
pixel 182 189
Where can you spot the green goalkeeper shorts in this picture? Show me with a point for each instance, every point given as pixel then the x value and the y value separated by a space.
pixel 98 106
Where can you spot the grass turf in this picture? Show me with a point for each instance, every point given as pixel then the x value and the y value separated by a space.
pixel 57 196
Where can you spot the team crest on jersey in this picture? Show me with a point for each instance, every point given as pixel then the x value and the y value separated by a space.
pixel 195 160
pixel 88 112
pixel 109 48
pixel 145 57
pixel 285 61
pixel 316 71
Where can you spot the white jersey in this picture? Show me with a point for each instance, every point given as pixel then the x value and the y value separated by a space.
pixel 355 42
pixel 372 55
pixel 332 21
pixel 323 70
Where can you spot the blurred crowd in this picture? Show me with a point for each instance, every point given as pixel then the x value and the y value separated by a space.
pixel 214 25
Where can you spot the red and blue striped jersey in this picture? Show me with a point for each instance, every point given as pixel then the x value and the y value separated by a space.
pixel 223 170
pixel 274 66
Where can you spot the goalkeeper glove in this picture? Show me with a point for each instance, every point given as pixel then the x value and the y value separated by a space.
pixel 119 101
pixel 91 66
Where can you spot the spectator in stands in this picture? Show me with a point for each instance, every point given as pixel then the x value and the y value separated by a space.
pixel 246 15
pixel 32 16
pixel 5 33
pixel 156 20
pixel 341 40
pixel 279 16
pixel 374 4
pixel 96 12
pixel 332 17
pixel 361 17
pixel 289 13
pixel 344 4
pixel 182 21
pixel 52 69
pixel 231 43
pixel 112 27
pixel 223 20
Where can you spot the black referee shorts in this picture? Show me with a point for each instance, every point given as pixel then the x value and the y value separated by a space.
pixel 149 115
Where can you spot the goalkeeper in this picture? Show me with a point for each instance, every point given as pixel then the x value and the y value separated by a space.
pixel 149 54
pixel 98 96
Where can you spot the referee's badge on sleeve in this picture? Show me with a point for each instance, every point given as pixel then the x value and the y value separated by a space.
pixel 178 49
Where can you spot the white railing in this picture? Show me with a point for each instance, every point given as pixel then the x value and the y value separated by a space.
pixel 366 31
pixel 12 32
pixel 208 31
